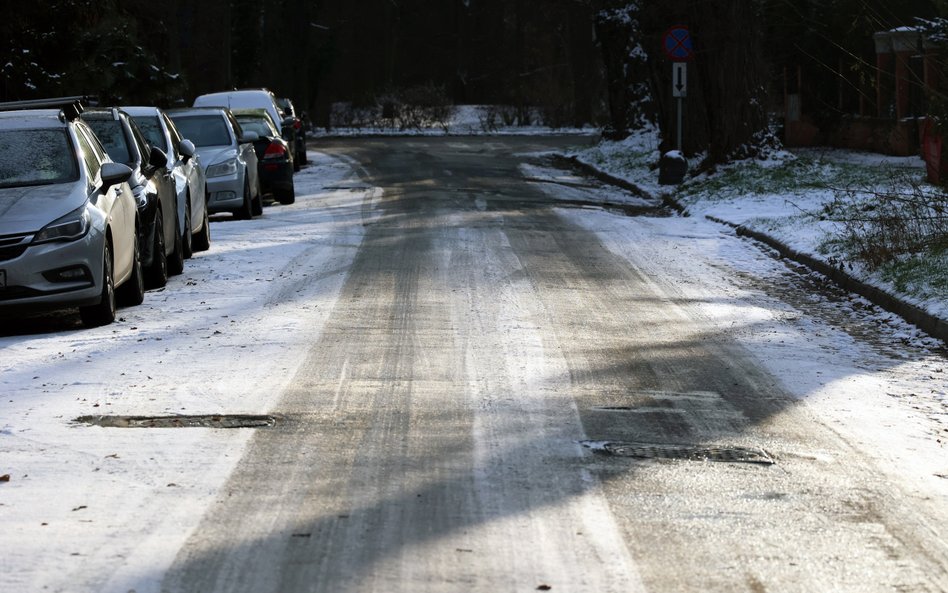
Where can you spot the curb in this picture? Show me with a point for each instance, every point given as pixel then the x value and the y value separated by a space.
pixel 930 324
pixel 933 326
pixel 571 161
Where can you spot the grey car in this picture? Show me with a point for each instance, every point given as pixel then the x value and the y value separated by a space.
pixel 67 217
pixel 185 165
pixel 228 157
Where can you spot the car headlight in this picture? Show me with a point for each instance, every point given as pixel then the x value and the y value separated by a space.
pixel 228 167
pixel 73 226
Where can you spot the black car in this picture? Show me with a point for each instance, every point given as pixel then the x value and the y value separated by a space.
pixel 154 189
pixel 299 125
pixel 274 163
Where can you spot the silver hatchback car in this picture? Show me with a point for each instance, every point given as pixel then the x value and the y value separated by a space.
pixel 67 217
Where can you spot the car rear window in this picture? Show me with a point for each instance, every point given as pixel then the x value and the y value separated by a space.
pixel 260 125
pixel 112 136
pixel 203 130
pixel 36 157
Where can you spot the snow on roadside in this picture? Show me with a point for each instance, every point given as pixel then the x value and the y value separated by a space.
pixel 224 337
pixel 785 197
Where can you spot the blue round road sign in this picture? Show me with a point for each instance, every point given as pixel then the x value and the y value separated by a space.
pixel 677 44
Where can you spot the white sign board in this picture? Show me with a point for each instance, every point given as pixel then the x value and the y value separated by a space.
pixel 679 79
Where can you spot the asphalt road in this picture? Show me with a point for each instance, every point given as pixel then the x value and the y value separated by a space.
pixel 433 440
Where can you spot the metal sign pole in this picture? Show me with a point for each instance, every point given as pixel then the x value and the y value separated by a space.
pixel 678 145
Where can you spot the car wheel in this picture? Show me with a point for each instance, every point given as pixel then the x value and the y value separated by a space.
pixel 287 196
pixel 176 261
pixel 186 236
pixel 157 274
pixel 297 164
pixel 246 210
pixel 104 312
pixel 258 205
pixel 202 240
pixel 133 291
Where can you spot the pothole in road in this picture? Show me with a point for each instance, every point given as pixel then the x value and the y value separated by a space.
pixel 683 452
pixel 199 421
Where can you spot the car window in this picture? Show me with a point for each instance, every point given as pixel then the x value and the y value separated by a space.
pixel 36 157
pixel 89 154
pixel 112 137
pixel 151 128
pixel 262 126
pixel 144 146
pixel 173 131
pixel 203 130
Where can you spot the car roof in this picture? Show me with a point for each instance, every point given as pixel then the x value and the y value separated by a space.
pixel 31 118
pixel 187 111
pixel 107 113
pixel 134 110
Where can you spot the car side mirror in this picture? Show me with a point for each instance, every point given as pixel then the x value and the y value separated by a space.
pixel 157 158
pixel 249 137
pixel 187 150
pixel 114 173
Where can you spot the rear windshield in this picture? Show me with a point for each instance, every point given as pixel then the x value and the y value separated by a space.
pixel 152 131
pixel 112 137
pixel 203 130
pixel 260 125
pixel 36 157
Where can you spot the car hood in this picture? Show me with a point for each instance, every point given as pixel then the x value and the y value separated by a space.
pixel 211 155
pixel 28 209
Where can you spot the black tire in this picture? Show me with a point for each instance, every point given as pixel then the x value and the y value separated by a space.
pixel 186 235
pixel 202 239
pixel 104 312
pixel 297 165
pixel 157 274
pixel 133 291
pixel 287 196
pixel 258 205
pixel 245 212
pixel 176 261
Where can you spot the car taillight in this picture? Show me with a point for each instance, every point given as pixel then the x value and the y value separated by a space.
pixel 274 151
pixel 297 124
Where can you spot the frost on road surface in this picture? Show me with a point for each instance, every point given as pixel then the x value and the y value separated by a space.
pixel 437 350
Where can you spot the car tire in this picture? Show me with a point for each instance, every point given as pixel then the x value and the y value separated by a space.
pixel 102 313
pixel 258 205
pixel 157 274
pixel 287 196
pixel 202 239
pixel 176 261
pixel 186 244
pixel 245 212
pixel 133 291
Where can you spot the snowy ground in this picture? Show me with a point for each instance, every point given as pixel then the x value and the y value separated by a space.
pixel 96 509
pixel 786 197
pixel 106 510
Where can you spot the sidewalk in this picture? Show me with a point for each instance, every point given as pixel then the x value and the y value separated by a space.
pixel 783 202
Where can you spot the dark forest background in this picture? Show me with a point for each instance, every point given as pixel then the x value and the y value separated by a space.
pixel 577 62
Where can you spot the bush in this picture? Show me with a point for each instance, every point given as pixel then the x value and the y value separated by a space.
pixel 881 226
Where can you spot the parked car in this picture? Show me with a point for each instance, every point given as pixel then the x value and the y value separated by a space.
pixel 67 216
pixel 160 228
pixel 274 162
pixel 255 99
pixel 299 124
pixel 186 169
pixel 228 157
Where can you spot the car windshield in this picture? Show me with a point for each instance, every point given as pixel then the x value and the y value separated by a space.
pixel 152 131
pixel 260 125
pixel 36 157
pixel 110 134
pixel 203 130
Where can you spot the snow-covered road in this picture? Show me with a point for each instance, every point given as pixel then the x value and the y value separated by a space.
pixel 445 339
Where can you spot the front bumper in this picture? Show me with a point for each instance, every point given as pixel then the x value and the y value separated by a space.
pixel 225 193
